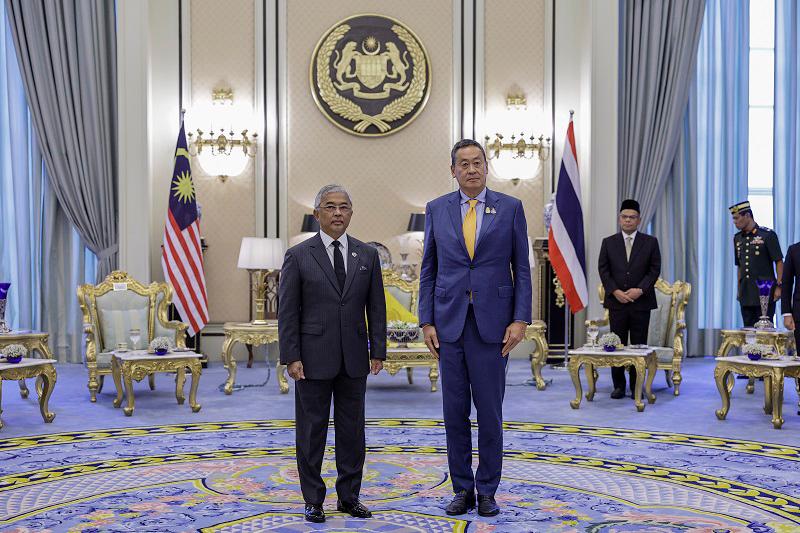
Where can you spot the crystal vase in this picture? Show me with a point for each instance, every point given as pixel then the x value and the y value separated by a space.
pixel 3 298
pixel 765 322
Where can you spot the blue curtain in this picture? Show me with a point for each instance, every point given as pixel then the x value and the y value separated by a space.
pixel 786 189
pixel 42 255
pixel 709 174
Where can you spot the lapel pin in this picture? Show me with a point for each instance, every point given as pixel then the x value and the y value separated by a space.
pixel 488 210
pixel 355 254
pixel 494 211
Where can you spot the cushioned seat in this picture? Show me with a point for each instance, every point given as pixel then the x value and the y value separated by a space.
pixel 667 323
pixel 114 307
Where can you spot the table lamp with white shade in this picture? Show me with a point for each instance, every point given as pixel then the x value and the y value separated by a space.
pixel 261 257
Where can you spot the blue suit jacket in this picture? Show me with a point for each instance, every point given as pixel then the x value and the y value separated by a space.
pixel 499 276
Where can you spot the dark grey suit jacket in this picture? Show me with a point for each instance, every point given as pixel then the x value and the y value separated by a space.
pixel 640 272
pixel 322 326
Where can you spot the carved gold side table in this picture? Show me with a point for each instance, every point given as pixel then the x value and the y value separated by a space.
pixel 32 368
pixel 772 370
pixel 536 332
pixel 136 365
pixel 253 335
pixel 595 357
pixel 734 338
pixel 410 357
pixel 34 341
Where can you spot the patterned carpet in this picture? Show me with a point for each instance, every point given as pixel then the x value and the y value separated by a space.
pixel 241 476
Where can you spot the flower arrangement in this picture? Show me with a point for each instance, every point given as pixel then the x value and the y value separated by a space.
pixel 756 351
pixel 401 332
pixel 14 353
pixel 610 342
pixel 160 345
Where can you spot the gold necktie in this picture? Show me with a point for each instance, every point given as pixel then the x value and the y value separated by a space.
pixel 628 247
pixel 470 228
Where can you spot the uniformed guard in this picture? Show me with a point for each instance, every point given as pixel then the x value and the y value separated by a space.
pixel 757 254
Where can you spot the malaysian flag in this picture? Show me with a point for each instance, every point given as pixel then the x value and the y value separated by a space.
pixel 181 257
pixel 565 240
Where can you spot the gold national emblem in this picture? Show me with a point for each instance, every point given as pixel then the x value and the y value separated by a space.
pixel 370 75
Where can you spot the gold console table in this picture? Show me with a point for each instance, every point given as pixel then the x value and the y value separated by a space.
pixel 252 335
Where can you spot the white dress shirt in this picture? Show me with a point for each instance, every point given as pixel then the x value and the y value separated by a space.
pixel 632 237
pixel 327 240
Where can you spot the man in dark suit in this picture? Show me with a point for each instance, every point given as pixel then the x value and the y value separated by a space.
pixel 328 284
pixel 790 300
pixel 629 265
pixel 474 306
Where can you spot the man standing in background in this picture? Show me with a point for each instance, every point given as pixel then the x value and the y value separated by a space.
pixel 758 257
pixel 629 266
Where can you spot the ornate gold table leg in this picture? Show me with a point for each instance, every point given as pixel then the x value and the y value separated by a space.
pixel 230 363
pixel 23 389
pixel 283 383
pixel 434 377
pixel 574 367
pixel 652 369
pixel 48 384
pixel 637 391
pixel 777 397
pixel 128 381
pixel 196 369
pixel 410 374
pixel 116 372
pixel 767 395
pixel 588 369
pixel 751 385
pixel 721 374
pixel 180 380
pixel 537 362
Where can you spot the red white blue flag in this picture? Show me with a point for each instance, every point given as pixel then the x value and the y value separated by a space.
pixel 181 256
pixel 565 239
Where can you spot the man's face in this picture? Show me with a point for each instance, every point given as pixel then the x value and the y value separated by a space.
pixel 470 169
pixel 629 220
pixel 334 214
pixel 741 220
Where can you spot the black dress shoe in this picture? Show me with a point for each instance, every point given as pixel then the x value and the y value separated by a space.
pixel 487 506
pixel 314 513
pixel 356 509
pixel 462 502
pixel 618 394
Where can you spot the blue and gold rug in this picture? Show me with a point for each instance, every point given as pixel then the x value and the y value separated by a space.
pixel 241 476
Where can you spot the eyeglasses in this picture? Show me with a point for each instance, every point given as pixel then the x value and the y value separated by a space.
pixel 629 217
pixel 344 209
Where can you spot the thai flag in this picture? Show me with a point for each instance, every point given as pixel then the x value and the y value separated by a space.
pixel 565 239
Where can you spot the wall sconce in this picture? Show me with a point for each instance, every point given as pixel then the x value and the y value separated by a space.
pixel 519 158
pixel 222 154
pixel 262 257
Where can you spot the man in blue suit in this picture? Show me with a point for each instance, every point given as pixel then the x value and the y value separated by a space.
pixel 474 306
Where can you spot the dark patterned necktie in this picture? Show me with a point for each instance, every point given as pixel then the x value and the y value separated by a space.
pixel 338 264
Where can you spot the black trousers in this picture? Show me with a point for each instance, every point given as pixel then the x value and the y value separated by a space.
pixel 312 413
pixel 631 325
pixel 751 313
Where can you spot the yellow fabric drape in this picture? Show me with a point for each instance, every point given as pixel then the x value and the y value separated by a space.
pixel 396 311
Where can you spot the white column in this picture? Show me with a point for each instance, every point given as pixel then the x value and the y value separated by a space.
pixel 586 81
pixel 147 116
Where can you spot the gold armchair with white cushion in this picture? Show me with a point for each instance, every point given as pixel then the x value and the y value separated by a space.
pixel 667 323
pixel 115 306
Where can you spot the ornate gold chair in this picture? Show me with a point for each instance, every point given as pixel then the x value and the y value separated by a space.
pixel 111 309
pixel 406 292
pixel 667 323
